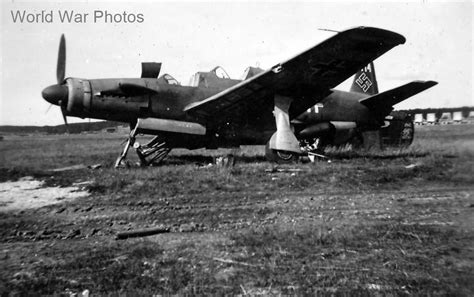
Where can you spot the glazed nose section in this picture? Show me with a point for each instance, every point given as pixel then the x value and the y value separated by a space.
pixel 55 93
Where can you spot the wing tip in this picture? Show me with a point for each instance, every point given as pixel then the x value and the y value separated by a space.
pixel 388 35
pixel 427 83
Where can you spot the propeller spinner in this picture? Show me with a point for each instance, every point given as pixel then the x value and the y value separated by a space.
pixel 58 94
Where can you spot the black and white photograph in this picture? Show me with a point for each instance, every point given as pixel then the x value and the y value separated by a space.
pixel 237 148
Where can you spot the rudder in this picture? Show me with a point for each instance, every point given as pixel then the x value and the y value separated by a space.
pixel 365 81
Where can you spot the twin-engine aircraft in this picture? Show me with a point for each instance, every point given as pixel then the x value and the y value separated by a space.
pixel 291 107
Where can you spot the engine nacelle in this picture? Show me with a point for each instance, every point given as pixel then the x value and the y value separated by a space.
pixel 79 97
pixel 334 132
pixel 108 99
pixel 316 130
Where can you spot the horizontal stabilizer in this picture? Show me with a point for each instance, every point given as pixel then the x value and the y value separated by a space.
pixel 383 102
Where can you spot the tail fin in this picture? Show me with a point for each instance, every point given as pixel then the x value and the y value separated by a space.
pixel 365 81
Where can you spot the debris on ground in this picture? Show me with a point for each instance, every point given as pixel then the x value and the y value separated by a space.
pixel 143 232
pixel 283 170
pixel 77 167
pixel 72 234
pixel 412 166
pixel 68 168
pixel 225 161
pixel 189 227
pixel 313 157
pixel 95 166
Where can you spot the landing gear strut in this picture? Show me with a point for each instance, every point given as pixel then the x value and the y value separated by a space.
pixel 283 147
pixel 151 153
pixel 131 140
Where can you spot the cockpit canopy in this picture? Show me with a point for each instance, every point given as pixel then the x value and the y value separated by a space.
pixel 220 72
pixel 251 71
pixel 218 78
pixel 209 79
pixel 168 79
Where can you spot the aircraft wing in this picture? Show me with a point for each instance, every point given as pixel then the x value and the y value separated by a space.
pixel 383 103
pixel 307 77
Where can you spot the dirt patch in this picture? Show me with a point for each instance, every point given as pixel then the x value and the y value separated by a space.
pixel 357 226
pixel 28 192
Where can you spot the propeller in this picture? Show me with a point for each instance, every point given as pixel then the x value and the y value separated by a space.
pixel 61 67
pixel 49 107
pixel 63 112
pixel 58 94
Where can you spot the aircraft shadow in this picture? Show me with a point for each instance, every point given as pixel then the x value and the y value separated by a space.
pixel 375 156
pixel 204 160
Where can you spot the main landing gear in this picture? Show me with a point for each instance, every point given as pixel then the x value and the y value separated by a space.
pixel 312 148
pixel 283 146
pixel 151 153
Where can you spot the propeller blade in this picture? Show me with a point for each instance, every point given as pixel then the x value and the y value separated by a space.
pixel 61 67
pixel 49 107
pixel 64 116
pixel 63 112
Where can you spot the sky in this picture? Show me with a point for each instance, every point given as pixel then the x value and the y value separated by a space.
pixel 197 36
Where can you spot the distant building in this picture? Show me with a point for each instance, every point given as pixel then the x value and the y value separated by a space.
pixel 457 117
pixel 463 114
pixel 431 118
pixel 418 119
pixel 470 117
pixel 445 118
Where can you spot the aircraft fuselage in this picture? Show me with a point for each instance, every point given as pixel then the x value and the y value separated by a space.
pixel 128 99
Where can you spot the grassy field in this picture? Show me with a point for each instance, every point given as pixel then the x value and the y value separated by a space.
pixel 397 222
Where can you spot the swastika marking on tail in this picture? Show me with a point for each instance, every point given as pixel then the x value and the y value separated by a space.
pixel 363 82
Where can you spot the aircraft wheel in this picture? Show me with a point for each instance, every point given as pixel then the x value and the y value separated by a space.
pixel 279 156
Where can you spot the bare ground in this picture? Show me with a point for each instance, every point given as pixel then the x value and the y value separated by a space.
pixel 28 192
pixel 393 222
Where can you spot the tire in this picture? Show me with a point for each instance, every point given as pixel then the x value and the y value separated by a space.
pixel 280 157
